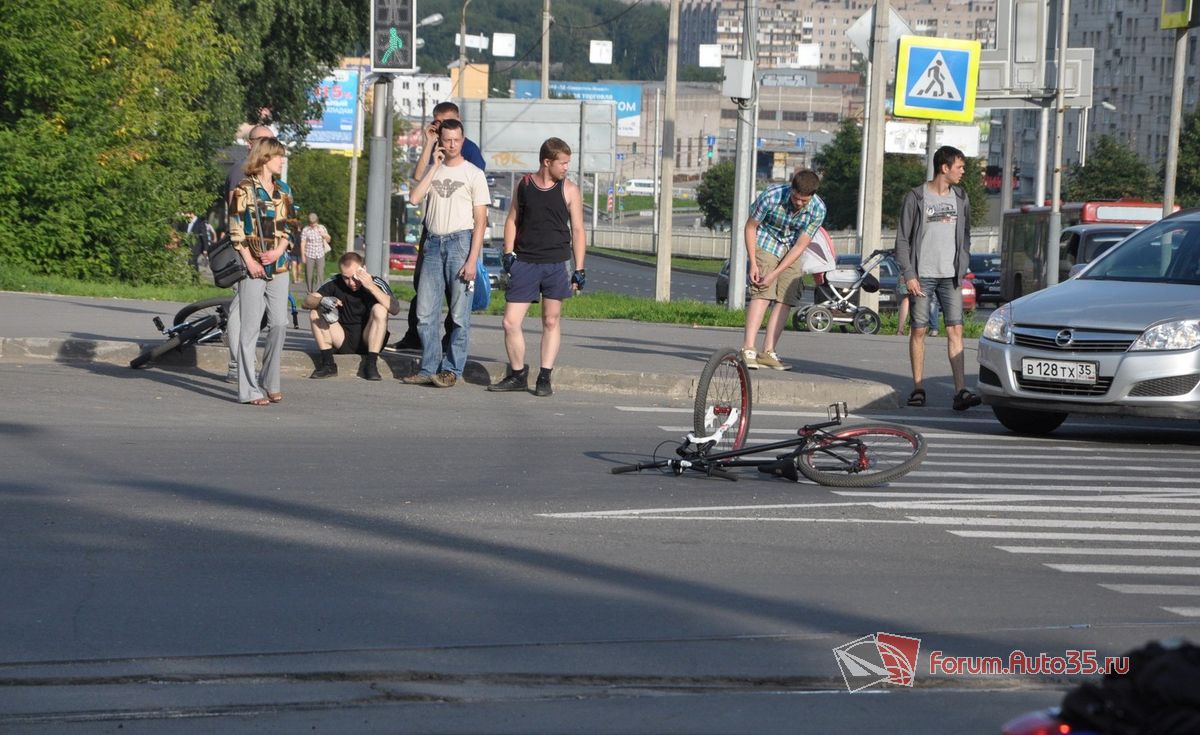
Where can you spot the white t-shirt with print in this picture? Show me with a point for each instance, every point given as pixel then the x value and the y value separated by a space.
pixel 451 201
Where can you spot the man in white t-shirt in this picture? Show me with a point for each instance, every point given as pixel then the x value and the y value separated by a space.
pixel 456 198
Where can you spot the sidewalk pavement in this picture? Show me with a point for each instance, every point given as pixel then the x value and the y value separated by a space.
pixel 609 356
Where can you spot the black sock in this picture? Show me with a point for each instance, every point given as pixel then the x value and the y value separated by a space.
pixel 520 373
pixel 544 373
pixel 326 357
pixel 371 357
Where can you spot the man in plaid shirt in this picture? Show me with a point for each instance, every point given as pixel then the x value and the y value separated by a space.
pixel 781 225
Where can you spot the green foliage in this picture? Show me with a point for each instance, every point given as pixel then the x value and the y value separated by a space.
pixel 973 182
pixel 838 163
pixel 1113 171
pixel 101 134
pixel 1187 170
pixel 321 181
pixel 715 194
pixel 900 174
pixel 638 32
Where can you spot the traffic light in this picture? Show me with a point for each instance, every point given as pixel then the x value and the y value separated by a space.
pixel 393 36
pixel 710 152
pixel 635 147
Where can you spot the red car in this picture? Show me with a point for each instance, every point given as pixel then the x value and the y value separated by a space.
pixel 402 257
pixel 968 292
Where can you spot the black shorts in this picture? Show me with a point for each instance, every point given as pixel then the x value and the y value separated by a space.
pixel 354 343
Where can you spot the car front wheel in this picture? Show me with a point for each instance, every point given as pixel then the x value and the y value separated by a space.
pixel 1023 421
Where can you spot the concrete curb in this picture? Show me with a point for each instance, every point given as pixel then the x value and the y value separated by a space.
pixel 791 390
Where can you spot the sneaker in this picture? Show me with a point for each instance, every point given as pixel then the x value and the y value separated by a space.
pixel 750 357
pixel 543 387
pixel 369 371
pixel 444 379
pixel 231 373
pixel 418 379
pixel 327 370
pixel 518 381
pixel 771 360
pixel 405 345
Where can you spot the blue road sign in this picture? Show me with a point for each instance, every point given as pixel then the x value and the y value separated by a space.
pixel 936 78
pixel 712 140
pixel 799 142
pixel 620 156
pixel 761 142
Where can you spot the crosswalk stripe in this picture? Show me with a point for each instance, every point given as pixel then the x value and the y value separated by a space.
pixel 1123 569
pixel 978 486
pixel 940 451
pixel 1187 612
pixel 1185 497
pixel 1153 589
pixel 1056 467
pixel 1167 553
pixel 1067 536
pixel 1034 476
pixel 1055 523
pixel 1102 510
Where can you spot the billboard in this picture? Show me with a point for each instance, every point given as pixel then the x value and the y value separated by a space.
pixel 338 95
pixel 627 97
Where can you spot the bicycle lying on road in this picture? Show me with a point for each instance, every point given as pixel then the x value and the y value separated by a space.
pixel 202 322
pixel 826 453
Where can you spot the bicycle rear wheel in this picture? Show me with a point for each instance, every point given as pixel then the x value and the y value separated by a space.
pixel 862 456
pixel 207 306
pixel 724 388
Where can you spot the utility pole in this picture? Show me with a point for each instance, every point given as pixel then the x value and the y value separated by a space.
pixel 379 182
pixel 1060 112
pixel 743 167
pixel 462 51
pixel 546 49
pixel 359 113
pixel 662 290
pixel 1176 123
pixel 872 229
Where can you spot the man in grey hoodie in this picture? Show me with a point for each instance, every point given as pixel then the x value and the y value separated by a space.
pixel 933 245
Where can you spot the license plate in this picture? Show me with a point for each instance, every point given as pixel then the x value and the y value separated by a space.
pixel 1059 371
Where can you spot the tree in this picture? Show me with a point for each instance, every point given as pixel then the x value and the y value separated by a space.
pixel 1113 171
pixel 715 194
pixel 101 134
pixel 838 163
pixel 1187 171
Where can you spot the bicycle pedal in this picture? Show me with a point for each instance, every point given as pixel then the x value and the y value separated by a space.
pixel 158 324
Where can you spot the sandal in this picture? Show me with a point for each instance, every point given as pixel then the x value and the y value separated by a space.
pixel 917 397
pixel 274 397
pixel 965 399
pixel 258 402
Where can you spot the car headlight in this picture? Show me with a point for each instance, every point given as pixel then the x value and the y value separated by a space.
pixel 1183 334
pixel 999 325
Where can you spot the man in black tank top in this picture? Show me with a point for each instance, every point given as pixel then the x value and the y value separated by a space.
pixel 544 246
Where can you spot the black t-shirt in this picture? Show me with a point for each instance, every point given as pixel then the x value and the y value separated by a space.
pixel 356 305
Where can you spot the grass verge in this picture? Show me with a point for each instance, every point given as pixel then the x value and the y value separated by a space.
pixel 12 279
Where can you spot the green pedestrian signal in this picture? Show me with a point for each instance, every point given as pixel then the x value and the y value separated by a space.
pixel 393 36
pixel 710 152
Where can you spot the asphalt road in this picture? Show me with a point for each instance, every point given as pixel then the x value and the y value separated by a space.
pixel 375 557
pixel 633 279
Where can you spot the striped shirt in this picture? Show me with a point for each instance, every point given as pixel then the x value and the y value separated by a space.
pixel 779 225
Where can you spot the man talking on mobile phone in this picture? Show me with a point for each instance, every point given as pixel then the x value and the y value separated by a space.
pixel 456 199
pixel 470 151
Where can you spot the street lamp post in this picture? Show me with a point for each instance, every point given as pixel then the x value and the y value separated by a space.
pixel 462 50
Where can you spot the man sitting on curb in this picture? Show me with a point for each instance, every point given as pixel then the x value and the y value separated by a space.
pixel 349 315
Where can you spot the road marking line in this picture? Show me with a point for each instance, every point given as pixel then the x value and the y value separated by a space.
pixel 1187 612
pixel 1107 510
pixel 927 462
pixel 977 486
pixel 1167 553
pixel 1123 569
pixel 1056 523
pixel 1184 496
pixel 1152 589
pixel 756 519
pixel 964 440
pixel 634 512
pixel 1052 536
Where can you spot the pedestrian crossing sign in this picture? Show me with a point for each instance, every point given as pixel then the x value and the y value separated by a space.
pixel 936 78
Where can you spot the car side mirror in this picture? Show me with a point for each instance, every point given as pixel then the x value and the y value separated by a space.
pixel 1076 270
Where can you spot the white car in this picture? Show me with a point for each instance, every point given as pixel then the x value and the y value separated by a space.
pixel 1122 338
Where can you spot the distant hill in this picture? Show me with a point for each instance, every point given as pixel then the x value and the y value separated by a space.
pixel 638 31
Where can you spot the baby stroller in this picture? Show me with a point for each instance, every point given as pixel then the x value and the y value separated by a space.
pixel 834 299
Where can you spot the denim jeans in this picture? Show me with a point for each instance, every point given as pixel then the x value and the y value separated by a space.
pixel 443 257
pixel 949 297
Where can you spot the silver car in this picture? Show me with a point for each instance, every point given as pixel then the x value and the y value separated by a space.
pixel 1121 338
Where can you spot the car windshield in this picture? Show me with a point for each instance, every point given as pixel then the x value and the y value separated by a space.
pixel 398 249
pixel 1098 243
pixel 490 259
pixel 1168 252
pixel 985 262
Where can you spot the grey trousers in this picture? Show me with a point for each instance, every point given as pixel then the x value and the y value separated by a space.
pixel 256 296
pixel 233 327
pixel 314 274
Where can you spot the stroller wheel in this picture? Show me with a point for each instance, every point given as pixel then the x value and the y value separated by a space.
pixel 866 321
pixel 819 319
pixel 799 319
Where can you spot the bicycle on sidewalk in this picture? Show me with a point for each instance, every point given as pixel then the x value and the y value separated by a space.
pixel 202 322
pixel 826 453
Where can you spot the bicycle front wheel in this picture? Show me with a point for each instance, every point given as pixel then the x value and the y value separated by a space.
pixel 724 388
pixel 150 354
pixel 862 456
pixel 203 308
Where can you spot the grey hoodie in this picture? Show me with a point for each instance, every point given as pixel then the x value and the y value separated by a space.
pixel 912 226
